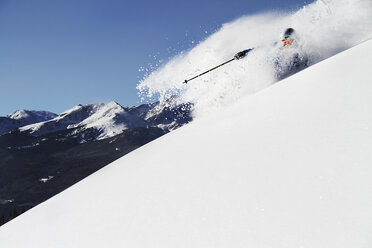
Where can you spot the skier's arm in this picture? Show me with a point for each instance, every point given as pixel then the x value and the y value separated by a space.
pixel 242 54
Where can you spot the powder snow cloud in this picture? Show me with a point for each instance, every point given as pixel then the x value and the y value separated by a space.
pixel 325 27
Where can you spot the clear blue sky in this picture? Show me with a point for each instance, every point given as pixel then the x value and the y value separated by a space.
pixel 55 54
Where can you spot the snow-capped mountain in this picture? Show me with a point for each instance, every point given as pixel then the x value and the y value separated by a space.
pixel 22 118
pixel 110 120
pixel 107 120
pixel 28 116
pixel 287 167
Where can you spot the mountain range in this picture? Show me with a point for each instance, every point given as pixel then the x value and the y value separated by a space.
pixel 43 153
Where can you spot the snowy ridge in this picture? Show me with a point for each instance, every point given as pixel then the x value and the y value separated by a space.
pixel 22 118
pixel 108 119
pixel 36 116
pixel 288 167
pixel 111 119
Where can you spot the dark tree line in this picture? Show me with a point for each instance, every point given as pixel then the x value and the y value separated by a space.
pixel 13 214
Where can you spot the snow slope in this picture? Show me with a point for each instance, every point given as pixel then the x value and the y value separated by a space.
pixel 287 167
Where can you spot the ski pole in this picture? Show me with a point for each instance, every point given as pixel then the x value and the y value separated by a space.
pixel 224 63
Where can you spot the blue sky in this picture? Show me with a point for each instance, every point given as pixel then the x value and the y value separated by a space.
pixel 55 54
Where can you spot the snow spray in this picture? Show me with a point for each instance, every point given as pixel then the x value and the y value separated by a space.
pixel 325 28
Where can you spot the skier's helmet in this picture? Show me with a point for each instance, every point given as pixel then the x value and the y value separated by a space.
pixel 288 33
pixel 288 37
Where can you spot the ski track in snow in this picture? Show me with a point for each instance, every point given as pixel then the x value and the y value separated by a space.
pixel 325 28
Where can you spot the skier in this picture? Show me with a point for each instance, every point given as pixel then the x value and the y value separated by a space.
pixel 289 56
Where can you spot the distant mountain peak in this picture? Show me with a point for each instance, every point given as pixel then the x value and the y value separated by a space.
pixel 109 120
pixel 19 114
pixel 23 114
pixel 21 118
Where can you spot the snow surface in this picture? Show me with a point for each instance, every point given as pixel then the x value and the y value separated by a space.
pixel 287 167
pixel 46 179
